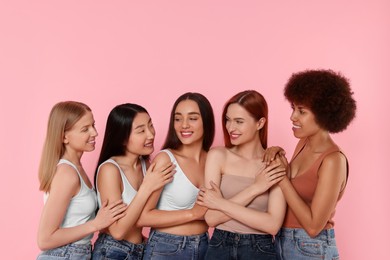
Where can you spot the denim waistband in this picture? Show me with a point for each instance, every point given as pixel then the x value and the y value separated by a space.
pixel 109 240
pixel 227 235
pixel 175 238
pixel 292 233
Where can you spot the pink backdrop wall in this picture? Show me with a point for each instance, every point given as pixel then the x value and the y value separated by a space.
pixel 105 53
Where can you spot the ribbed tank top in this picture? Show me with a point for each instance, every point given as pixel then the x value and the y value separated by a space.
pixel 82 206
pixel 128 192
pixel 305 184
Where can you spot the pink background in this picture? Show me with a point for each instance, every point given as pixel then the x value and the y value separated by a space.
pixel 105 53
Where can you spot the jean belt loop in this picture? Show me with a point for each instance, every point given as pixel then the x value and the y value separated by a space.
pixel 253 240
pixel 328 235
pixel 184 242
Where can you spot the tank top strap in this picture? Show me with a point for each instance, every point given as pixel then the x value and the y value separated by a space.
pixel 64 161
pixel 143 166
pixel 170 154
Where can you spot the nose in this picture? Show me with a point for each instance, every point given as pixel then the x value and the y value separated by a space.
pixel 150 133
pixel 185 123
pixel 293 116
pixel 94 132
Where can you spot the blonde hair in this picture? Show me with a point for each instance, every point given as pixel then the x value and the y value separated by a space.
pixel 62 118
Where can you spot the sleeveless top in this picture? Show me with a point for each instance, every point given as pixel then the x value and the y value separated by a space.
pixel 305 185
pixel 230 186
pixel 180 193
pixel 128 192
pixel 81 207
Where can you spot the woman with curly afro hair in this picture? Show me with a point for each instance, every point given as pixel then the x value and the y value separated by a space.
pixel 322 104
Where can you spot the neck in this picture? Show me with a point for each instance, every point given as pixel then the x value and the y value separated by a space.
pixel 73 157
pixel 194 150
pixel 250 150
pixel 131 160
pixel 319 141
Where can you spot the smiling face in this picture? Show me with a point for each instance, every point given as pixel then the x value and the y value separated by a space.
pixel 141 139
pixel 81 137
pixel 188 122
pixel 241 126
pixel 304 123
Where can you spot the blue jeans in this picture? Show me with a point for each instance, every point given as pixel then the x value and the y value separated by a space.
pixel 69 251
pixel 106 247
pixel 296 244
pixel 228 245
pixel 167 246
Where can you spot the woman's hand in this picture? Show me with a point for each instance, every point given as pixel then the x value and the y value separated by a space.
pixel 210 198
pixel 271 153
pixel 109 213
pixel 156 178
pixel 270 175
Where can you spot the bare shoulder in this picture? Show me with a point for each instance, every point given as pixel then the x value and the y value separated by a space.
pixel 108 170
pixel 161 158
pixel 66 174
pixel 335 159
pixel 218 152
pixel 66 179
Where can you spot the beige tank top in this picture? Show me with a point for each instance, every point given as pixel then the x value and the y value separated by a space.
pixel 230 186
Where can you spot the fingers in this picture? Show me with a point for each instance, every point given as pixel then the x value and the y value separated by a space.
pixel 115 203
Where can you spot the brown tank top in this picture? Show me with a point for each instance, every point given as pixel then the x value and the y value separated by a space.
pixel 305 184
pixel 230 186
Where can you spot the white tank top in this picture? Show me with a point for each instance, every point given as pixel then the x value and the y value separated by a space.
pixel 81 208
pixel 180 193
pixel 129 192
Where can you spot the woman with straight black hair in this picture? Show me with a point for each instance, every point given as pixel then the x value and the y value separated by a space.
pixel 121 174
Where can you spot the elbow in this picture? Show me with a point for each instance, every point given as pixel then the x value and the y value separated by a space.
pixel 210 222
pixel 43 244
pixel 313 232
pixel 118 235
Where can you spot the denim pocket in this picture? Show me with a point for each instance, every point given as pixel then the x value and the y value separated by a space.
pixel 312 248
pixel 215 241
pixel 164 248
pixel 114 253
pixel 266 247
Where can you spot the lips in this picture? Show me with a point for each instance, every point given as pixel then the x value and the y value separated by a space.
pixel 149 144
pixel 186 134
pixel 234 136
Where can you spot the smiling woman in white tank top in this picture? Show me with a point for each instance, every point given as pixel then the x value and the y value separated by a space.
pixel 178 229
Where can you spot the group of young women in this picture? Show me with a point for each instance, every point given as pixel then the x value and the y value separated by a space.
pixel 261 205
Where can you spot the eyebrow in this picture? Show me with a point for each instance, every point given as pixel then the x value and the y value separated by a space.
pixel 143 125
pixel 236 118
pixel 190 113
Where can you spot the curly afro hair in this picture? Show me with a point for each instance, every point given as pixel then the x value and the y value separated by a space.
pixel 327 94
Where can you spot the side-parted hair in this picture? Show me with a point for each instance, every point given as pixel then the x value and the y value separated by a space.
pixel 256 105
pixel 63 116
pixel 327 94
pixel 207 114
pixel 118 129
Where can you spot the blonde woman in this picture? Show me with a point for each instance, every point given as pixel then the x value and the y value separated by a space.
pixel 68 218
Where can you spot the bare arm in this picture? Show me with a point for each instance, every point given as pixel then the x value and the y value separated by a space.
pixel 331 177
pixel 264 180
pixel 65 185
pixel 152 217
pixel 268 222
pixel 110 182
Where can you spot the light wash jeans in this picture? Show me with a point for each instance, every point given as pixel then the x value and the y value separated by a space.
pixel 168 246
pixel 69 251
pixel 106 247
pixel 296 244
pixel 227 245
